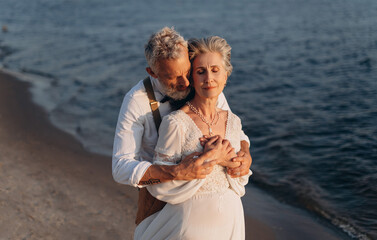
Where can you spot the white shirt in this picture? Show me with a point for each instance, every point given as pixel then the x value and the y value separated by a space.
pixel 136 135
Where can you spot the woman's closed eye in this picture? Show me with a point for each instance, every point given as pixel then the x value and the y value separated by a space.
pixel 215 69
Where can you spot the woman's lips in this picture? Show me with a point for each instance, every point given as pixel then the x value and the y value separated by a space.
pixel 209 88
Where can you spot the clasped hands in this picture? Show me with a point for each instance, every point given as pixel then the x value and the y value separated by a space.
pixel 216 151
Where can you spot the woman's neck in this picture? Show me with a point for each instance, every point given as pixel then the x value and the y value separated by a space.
pixel 206 106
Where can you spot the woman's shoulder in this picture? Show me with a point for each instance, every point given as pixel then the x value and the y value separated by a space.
pixel 177 114
pixel 171 123
pixel 177 117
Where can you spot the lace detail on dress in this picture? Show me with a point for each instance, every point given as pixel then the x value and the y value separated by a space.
pixel 163 159
pixel 216 181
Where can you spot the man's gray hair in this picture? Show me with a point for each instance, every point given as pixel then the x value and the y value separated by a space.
pixel 212 44
pixel 164 44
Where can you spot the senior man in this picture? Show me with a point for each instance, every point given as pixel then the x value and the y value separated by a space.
pixel 137 128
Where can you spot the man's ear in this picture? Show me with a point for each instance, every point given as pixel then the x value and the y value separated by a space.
pixel 150 72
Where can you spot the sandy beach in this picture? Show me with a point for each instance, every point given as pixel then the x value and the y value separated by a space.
pixel 52 188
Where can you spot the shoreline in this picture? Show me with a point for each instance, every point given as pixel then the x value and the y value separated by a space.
pixel 70 191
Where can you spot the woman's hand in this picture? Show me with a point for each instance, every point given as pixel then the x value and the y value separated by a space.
pixel 221 150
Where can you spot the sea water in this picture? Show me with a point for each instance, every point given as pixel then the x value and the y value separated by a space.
pixel 304 84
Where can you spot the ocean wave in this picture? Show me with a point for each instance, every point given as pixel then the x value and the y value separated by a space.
pixel 297 191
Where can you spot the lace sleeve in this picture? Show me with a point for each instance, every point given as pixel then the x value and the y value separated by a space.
pixel 168 150
pixel 234 128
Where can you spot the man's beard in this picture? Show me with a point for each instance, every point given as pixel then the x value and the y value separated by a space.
pixel 174 93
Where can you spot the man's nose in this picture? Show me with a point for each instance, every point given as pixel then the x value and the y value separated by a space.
pixel 184 81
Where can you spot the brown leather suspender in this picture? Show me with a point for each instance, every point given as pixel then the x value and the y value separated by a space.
pixel 152 102
pixel 147 204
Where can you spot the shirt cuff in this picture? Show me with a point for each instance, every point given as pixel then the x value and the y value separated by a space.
pixel 139 172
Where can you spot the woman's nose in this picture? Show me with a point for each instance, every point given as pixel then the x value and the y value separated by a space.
pixel 208 77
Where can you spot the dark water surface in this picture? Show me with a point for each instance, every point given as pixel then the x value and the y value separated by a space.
pixel 304 84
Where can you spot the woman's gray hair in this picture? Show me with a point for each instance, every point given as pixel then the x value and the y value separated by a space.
pixel 164 44
pixel 212 44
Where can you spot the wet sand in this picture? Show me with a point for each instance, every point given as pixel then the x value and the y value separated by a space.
pixel 52 188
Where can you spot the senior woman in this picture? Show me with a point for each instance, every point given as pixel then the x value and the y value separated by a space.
pixel 207 208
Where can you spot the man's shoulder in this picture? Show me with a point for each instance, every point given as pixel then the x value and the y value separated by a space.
pixel 137 91
pixel 136 99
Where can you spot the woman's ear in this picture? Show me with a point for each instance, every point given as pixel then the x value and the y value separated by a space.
pixel 150 72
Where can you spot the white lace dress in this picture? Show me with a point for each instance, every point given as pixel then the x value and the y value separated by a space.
pixel 207 208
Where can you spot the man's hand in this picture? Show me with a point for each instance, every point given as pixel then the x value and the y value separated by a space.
pixel 195 166
pixel 245 160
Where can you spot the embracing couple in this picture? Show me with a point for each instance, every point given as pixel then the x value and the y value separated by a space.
pixel 179 143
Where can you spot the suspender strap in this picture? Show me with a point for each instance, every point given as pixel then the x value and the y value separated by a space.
pixel 147 204
pixel 152 102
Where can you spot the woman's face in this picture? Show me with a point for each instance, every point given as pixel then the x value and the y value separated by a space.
pixel 209 75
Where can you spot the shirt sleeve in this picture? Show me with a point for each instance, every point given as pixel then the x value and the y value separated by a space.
pixel 127 165
pixel 223 104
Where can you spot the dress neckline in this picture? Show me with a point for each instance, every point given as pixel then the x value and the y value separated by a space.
pixel 200 131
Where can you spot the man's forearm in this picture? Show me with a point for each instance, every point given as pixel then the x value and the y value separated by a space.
pixel 193 166
pixel 158 174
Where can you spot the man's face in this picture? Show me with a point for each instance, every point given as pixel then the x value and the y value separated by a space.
pixel 173 75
